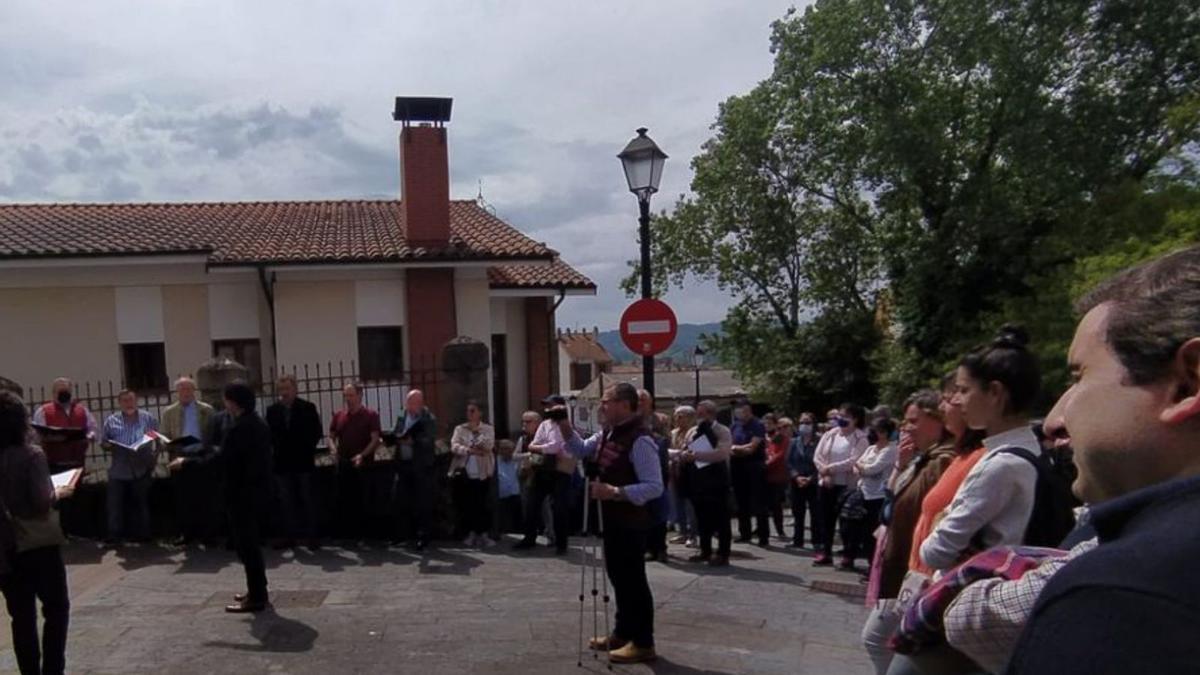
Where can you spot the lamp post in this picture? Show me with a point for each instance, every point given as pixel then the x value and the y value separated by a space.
pixel 643 163
pixel 697 363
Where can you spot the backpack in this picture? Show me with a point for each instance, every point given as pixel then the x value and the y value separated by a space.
pixel 1053 515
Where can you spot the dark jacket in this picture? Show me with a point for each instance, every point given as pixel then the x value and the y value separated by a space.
pixel 244 459
pixel 294 440
pixel 422 433
pixel 914 483
pixel 25 492
pixel 1132 605
pixel 800 458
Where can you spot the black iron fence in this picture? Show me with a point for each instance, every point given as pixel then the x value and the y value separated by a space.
pixel 322 384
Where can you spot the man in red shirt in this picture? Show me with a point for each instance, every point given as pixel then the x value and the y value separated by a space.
pixel 353 438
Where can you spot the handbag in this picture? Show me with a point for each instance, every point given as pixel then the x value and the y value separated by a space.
pixel 853 505
pixel 32 533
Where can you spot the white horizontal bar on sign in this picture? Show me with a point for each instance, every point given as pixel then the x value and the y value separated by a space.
pixel 649 327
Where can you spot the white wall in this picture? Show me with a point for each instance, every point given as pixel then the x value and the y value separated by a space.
pixel 233 311
pixel 379 302
pixel 139 314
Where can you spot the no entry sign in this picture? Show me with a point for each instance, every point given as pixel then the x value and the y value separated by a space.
pixel 648 327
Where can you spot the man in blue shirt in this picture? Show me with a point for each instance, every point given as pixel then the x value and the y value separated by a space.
pixel 1131 605
pixel 628 475
pixel 748 471
pixel 134 455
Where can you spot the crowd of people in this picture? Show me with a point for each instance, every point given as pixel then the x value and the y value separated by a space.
pixel 994 543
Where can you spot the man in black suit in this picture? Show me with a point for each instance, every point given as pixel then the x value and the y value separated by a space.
pixel 295 431
pixel 244 459
pixel 416 433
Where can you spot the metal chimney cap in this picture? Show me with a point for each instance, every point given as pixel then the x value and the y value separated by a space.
pixel 422 109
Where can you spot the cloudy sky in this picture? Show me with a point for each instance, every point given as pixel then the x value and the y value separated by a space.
pixel 233 100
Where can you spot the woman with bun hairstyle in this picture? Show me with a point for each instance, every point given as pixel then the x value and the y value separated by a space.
pixel 995 387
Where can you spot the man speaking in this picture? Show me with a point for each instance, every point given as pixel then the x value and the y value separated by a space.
pixel 628 475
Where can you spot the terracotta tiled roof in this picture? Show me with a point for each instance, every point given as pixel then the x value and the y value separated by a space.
pixel 234 233
pixel 583 347
pixel 556 275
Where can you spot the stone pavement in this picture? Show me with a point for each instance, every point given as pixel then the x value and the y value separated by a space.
pixel 452 610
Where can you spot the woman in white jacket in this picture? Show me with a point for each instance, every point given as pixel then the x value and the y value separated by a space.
pixel 472 469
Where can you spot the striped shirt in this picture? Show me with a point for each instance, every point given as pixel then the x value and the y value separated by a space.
pixel 125 464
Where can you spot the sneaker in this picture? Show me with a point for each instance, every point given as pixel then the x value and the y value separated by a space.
pixel 632 653
pixel 693 543
pixel 822 561
pixel 678 539
pixel 469 541
pixel 485 541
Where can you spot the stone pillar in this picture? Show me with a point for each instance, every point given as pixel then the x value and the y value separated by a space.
pixel 464 377
pixel 214 374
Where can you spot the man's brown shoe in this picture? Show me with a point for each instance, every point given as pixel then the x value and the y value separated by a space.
pixel 605 644
pixel 632 653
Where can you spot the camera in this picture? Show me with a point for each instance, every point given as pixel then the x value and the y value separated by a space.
pixel 556 414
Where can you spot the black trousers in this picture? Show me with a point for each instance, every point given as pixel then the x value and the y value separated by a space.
pixel 712 517
pixel 857 533
pixel 778 496
pixel 624 551
pixel 247 541
pixel 509 513
pixel 805 500
pixel 351 501
pixel 553 485
pixel 471 504
pixel 750 491
pixel 197 489
pixel 414 500
pixel 829 497
pixel 295 511
pixel 38 575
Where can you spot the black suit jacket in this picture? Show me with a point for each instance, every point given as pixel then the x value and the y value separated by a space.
pixel 422 433
pixel 244 459
pixel 294 443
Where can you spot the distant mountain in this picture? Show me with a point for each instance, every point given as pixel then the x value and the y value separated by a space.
pixel 680 351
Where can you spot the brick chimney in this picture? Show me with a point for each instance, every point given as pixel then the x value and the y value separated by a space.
pixel 424 170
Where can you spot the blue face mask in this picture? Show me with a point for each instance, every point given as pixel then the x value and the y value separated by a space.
pixel 843 422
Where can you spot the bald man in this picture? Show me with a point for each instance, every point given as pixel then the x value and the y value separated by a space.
pixel 416 431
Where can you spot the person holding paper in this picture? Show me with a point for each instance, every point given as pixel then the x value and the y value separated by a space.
pixel 184 424
pixel 295 432
pixel 64 412
pixel 244 462
pixel 127 434
pixel 707 456
pixel 31 563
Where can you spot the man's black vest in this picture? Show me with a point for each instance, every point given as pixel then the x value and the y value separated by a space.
pixel 616 468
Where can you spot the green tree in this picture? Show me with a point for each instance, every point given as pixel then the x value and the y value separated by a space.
pixel 961 154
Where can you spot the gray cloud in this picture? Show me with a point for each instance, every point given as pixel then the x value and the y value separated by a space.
pixel 229 100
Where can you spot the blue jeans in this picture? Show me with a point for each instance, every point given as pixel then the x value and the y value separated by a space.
pixel 129 495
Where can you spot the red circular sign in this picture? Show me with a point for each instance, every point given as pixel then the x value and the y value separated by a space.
pixel 648 327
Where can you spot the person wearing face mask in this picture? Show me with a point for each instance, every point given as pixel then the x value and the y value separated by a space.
pixel 834 458
pixel 802 489
pixel 65 412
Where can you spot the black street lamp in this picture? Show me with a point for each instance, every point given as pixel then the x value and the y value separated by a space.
pixel 643 163
pixel 697 363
